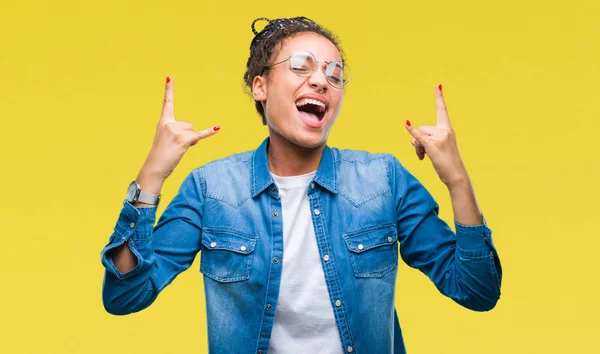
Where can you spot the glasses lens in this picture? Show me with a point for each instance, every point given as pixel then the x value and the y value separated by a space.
pixel 338 74
pixel 303 63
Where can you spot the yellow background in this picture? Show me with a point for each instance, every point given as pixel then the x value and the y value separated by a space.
pixel 81 85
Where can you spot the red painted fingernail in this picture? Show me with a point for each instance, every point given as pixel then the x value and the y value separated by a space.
pixel 216 127
pixel 408 122
pixel 440 87
pixel 168 79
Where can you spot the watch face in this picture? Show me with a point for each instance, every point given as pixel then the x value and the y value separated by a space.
pixel 132 192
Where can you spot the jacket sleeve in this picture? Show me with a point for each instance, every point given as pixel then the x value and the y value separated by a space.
pixel 464 265
pixel 162 251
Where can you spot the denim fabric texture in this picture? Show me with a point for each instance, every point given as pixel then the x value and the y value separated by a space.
pixel 363 206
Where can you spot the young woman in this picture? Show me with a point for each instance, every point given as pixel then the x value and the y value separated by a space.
pixel 299 240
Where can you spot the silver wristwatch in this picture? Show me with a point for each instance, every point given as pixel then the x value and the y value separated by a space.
pixel 135 194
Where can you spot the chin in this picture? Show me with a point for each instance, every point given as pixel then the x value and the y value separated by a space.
pixel 309 143
pixel 303 139
pixel 307 138
pixel 301 135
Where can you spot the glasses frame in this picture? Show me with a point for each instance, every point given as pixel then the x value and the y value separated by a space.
pixel 289 60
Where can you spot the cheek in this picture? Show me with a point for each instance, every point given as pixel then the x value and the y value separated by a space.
pixel 338 105
pixel 279 110
pixel 276 104
pixel 280 99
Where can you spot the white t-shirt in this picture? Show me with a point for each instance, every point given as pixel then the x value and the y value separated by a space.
pixel 304 321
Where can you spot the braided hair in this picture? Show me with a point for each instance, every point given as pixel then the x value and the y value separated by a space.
pixel 265 43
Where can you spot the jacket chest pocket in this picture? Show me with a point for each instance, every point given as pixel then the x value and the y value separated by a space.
pixel 226 256
pixel 373 252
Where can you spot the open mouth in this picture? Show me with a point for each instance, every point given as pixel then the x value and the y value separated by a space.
pixel 311 109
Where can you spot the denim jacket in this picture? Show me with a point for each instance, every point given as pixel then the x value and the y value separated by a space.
pixel 363 207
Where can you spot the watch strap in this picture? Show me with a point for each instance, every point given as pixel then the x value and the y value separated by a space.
pixel 148 198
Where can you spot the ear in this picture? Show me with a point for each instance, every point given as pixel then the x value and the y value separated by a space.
pixel 259 88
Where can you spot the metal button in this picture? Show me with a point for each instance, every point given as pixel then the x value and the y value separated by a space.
pixel 132 225
pixel 275 214
pixel 350 349
pixel 269 306
pixel 360 247
pixel 243 248
pixel 260 352
pixel 326 257
pixel 338 303
pixel 312 185
pixel 275 260
pixel 317 212
pixel 273 189
pixel 390 239
pixel 213 244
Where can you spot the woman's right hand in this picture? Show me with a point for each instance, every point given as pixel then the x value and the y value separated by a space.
pixel 171 141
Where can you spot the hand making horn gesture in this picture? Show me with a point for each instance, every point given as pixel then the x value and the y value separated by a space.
pixel 439 143
pixel 172 139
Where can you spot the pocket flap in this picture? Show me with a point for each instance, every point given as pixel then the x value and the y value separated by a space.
pixel 228 241
pixel 367 240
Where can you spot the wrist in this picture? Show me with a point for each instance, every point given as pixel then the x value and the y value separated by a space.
pixel 150 183
pixel 459 182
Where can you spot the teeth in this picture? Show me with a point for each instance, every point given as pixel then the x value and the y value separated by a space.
pixel 306 101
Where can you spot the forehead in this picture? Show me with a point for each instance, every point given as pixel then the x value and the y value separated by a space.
pixel 321 47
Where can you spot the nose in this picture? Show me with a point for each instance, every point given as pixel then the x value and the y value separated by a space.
pixel 318 80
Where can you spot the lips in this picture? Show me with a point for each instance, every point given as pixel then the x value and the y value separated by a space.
pixel 312 109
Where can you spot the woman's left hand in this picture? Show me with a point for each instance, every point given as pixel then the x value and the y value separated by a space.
pixel 439 143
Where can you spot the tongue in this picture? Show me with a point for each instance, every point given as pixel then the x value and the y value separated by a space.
pixel 308 115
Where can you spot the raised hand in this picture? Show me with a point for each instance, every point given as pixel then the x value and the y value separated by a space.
pixel 171 141
pixel 439 143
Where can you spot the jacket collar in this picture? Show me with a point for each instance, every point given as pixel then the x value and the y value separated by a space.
pixel 326 175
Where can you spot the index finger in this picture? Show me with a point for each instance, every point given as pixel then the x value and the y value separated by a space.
pixel 442 112
pixel 168 112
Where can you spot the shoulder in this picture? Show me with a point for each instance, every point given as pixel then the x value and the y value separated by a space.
pixel 224 172
pixel 362 175
pixel 231 161
pixel 365 162
pixel 357 156
pixel 236 162
pixel 382 170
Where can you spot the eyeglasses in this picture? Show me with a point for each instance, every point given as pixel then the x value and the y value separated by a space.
pixel 304 64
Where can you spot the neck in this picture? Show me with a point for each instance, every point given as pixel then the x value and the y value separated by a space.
pixel 288 159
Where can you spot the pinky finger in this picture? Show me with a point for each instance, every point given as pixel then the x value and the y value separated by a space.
pixel 204 134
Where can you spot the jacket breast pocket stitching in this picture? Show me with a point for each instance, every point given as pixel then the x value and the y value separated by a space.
pixel 365 199
pixel 373 252
pixel 227 201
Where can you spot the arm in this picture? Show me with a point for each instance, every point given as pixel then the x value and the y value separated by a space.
pixel 463 266
pixel 160 252
pixel 140 259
